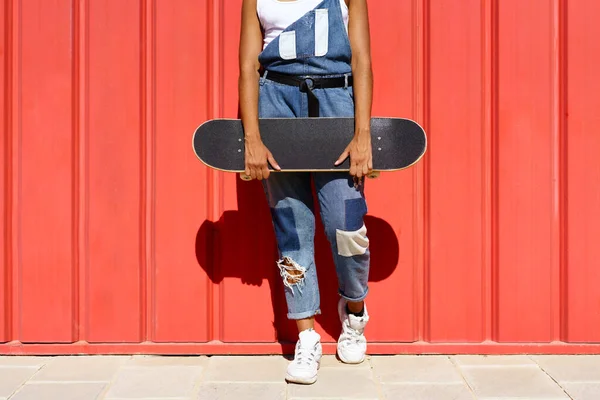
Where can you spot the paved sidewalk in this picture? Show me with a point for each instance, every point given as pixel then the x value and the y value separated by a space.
pixel 262 378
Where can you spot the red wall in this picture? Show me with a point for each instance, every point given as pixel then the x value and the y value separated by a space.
pixel 117 239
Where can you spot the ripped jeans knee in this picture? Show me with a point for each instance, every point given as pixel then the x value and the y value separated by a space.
pixel 292 273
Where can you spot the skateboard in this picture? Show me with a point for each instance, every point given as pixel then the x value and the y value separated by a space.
pixel 310 144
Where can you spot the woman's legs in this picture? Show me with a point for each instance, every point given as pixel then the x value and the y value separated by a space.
pixel 343 208
pixel 290 200
pixel 291 203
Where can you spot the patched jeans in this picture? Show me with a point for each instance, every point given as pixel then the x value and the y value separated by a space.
pixel 342 208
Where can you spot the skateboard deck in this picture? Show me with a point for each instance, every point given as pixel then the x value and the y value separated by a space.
pixel 310 144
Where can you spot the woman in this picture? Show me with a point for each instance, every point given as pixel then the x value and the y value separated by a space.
pixel 315 62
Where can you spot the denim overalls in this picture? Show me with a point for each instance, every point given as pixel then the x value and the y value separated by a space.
pixel 316 44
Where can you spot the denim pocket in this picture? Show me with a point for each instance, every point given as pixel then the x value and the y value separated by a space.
pixel 350 93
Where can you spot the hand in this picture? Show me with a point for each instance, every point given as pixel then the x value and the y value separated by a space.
pixel 360 152
pixel 256 158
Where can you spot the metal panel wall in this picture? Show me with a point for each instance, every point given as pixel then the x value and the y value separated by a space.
pixel 116 239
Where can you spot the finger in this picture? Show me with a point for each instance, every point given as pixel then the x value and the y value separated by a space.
pixel 273 162
pixel 266 172
pixel 342 157
pixel 259 174
pixel 353 170
pixel 253 173
pixel 359 169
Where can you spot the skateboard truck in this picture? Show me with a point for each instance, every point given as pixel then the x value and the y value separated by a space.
pixel 372 175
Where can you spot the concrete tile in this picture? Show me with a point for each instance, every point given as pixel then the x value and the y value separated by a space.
pixel 60 391
pixel 246 391
pixel 511 382
pixel 331 361
pixel 428 391
pixel 23 361
pixel 143 360
pixel 80 368
pixel 483 360
pixel 12 378
pixel 154 381
pixel 567 368
pixel 254 369
pixel 582 390
pixel 415 369
pixel 337 383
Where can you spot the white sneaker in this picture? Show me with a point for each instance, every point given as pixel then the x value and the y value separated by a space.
pixel 307 358
pixel 352 344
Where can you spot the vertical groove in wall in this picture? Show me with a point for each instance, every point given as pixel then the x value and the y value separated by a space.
pixel 143 155
pixel 421 173
pixel 219 100
pixel 559 173
pixel 495 310
pixel 418 218
pixel 564 240
pixel 76 185
pixel 420 111
pixel 147 140
pixel 151 165
pixel 8 168
pixel 495 171
pixel 211 244
pixel 214 178
pixel 15 160
pixel 423 81
pixel 489 59
pixel 82 167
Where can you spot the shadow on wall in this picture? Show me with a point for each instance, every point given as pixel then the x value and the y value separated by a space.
pixel 241 244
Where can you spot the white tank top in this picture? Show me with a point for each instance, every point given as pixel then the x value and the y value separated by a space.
pixel 276 15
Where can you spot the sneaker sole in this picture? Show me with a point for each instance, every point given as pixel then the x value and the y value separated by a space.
pixel 346 361
pixel 304 381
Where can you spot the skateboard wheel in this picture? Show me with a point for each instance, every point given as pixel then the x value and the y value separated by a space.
pixel 245 177
pixel 373 174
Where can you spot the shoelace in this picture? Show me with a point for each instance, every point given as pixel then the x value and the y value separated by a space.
pixel 352 335
pixel 301 355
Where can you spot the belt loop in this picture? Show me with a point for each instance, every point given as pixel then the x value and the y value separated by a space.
pixel 345 81
pixel 261 79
